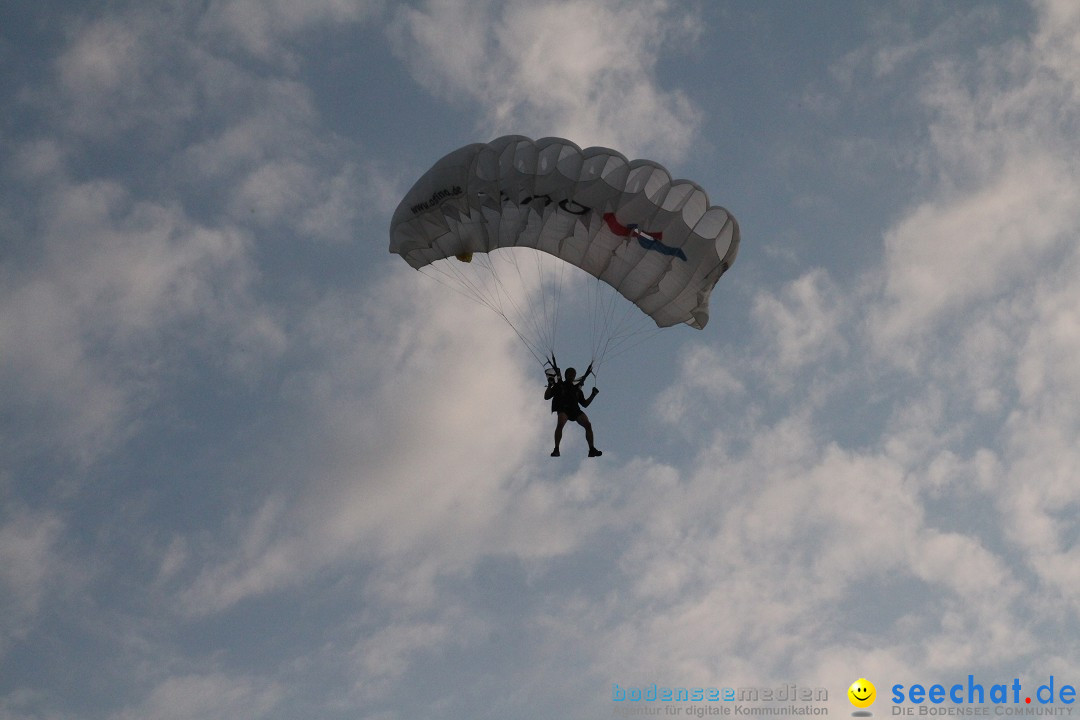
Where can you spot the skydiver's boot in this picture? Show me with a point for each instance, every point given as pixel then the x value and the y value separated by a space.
pixel 555 452
pixel 593 452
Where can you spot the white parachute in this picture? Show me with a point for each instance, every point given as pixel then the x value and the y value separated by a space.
pixel 510 222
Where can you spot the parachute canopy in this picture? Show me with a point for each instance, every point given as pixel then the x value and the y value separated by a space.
pixel 657 242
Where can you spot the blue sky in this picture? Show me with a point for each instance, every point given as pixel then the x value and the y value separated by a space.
pixel 254 466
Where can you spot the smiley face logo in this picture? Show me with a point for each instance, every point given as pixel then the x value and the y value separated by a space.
pixel 862 693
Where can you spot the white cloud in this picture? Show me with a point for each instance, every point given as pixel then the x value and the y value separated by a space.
pixel 707 383
pixel 123 267
pixel 980 295
pixel 380 659
pixel 193 696
pixel 1046 372
pixel 123 72
pixel 793 561
pixel 585 70
pixel 86 328
pixel 948 255
pixel 803 324
pixel 153 65
pixel 1057 42
pixel 156 76
pixel 29 566
pixel 266 121
pixel 262 28
pixel 415 389
pixel 1006 192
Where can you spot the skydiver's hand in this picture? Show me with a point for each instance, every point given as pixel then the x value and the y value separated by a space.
pixel 595 390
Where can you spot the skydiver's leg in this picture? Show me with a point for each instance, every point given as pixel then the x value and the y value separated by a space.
pixel 558 433
pixel 583 420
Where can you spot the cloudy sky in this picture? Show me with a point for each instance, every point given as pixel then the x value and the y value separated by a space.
pixel 252 465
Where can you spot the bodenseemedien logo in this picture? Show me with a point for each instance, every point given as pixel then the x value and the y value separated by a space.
pixel 862 694
pixel 787 700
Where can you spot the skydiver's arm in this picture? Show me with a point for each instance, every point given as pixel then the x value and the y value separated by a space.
pixel 586 401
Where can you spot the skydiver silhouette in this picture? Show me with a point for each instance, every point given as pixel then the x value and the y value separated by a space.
pixel 567 399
